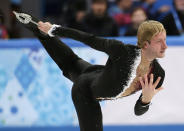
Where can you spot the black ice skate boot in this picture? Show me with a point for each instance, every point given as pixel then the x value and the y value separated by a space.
pixel 30 23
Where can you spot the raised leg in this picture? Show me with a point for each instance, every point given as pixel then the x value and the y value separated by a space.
pixel 71 65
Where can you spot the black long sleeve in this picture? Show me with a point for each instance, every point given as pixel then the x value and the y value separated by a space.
pixel 140 108
pixel 109 46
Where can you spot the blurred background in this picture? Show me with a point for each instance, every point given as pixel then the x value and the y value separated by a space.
pixel 34 95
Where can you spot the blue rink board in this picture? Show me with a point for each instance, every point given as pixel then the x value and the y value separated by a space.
pixel 34 43
pixel 106 128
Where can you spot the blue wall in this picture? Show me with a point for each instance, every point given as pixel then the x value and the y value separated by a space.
pixel 106 128
pixel 34 43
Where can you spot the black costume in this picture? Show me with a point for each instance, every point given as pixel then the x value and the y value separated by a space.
pixel 93 83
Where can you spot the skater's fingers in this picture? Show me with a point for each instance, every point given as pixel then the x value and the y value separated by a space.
pixel 47 23
pixel 40 24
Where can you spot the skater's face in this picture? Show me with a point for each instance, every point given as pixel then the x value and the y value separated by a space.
pixel 157 46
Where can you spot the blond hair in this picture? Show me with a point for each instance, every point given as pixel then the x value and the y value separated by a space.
pixel 147 30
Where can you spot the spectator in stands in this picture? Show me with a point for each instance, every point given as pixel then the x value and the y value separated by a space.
pixel 98 22
pixel 78 19
pixel 111 3
pixel 74 13
pixel 154 12
pixel 15 30
pixel 138 16
pixel 121 12
pixel 3 30
pixel 174 21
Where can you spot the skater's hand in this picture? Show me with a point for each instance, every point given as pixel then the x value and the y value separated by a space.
pixel 44 26
pixel 148 89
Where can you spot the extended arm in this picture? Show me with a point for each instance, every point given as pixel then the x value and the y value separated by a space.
pixel 106 45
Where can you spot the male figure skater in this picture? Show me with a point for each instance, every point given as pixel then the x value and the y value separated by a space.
pixel 129 68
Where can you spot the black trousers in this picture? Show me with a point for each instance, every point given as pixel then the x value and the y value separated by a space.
pixel 87 107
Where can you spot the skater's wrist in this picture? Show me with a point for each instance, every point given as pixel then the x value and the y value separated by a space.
pixel 52 29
